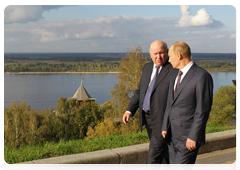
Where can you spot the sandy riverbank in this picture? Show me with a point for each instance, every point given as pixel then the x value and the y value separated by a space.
pixel 60 72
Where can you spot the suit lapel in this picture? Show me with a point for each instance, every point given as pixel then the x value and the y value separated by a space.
pixel 186 79
pixel 164 71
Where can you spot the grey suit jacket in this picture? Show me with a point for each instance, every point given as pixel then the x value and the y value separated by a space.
pixel 187 114
pixel 158 99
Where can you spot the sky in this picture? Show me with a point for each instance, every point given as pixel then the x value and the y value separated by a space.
pixel 118 28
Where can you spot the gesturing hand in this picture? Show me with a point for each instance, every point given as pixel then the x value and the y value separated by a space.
pixel 126 117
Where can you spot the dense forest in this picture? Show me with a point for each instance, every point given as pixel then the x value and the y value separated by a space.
pixel 106 66
pixel 110 66
pixel 61 57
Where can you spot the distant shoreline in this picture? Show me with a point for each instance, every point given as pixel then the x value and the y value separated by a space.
pixel 86 72
pixel 60 72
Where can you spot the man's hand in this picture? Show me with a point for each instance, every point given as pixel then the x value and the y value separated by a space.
pixel 126 117
pixel 190 144
pixel 164 133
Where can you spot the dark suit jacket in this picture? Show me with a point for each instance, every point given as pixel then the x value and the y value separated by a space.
pixel 188 112
pixel 158 99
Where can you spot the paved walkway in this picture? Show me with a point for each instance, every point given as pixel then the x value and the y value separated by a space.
pixel 218 160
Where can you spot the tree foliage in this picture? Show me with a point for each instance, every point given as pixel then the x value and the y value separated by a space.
pixel 107 126
pixel 107 109
pixel 103 129
pixel 24 126
pixel 128 79
pixel 87 115
pixel 104 66
pixel 19 126
pixel 223 105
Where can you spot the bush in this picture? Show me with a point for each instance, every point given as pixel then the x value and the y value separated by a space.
pixel 223 106
pixel 103 129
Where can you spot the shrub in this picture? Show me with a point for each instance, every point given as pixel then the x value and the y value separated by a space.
pixel 223 106
pixel 103 129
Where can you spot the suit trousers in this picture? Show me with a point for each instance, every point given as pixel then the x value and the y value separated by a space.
pixel 158 150
pixel 179 153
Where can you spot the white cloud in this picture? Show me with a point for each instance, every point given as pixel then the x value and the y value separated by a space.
pixel 203 18
pixel 94 44
pixel 26 13
pixel 232 36
pixel 220 36
pixel 22 13
pixel 217 36
pixel 103 27
pixel 105 34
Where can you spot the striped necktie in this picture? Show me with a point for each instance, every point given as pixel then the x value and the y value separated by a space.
pixel 178 81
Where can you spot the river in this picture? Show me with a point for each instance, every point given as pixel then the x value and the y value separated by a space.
pixel 43 90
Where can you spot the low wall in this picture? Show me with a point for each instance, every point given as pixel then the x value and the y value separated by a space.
pixel 136 154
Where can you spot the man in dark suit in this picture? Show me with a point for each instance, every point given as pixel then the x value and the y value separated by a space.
pixel 151 97
pixel 189 103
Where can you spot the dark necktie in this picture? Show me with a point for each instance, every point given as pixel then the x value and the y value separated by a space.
pixel 178 81
pixel 146 101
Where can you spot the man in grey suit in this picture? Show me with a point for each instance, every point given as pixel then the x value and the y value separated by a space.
pixel 150 98
pixel 189 103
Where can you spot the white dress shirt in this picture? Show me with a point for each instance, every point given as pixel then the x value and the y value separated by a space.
pixel 184 70
pixel 154 71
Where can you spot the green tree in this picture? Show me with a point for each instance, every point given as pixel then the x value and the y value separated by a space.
pixel 223 105
pixel 31 125
pixel 128 79
pixel 64 109
pixel 16 124
pixel 87 115
pixel 9 136
pixel 47 119
pixel 107 109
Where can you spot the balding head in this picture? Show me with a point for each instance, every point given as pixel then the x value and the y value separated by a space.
pixel 159 52
pixel 158 43
pixel 179 55
pixel 182 48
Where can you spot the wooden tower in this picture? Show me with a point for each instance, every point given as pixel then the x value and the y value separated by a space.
pixel 82 94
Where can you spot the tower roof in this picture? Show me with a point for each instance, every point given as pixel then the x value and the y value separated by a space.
pixel 82 94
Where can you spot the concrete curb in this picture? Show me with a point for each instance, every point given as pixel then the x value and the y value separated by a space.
pixel 136 154
pixel 219 141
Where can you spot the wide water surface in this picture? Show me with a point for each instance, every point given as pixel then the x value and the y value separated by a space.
pixel 44 90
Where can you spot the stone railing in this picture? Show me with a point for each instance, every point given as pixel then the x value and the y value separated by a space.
pixel 136 154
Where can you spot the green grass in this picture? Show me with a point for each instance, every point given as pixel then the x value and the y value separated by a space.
pixel 218 128
pixel 51 149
